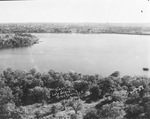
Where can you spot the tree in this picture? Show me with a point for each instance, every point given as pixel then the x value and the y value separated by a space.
pixel 38 114
pixel 54 110
pixel 60 82
pixel 115 74
pixel 125 80
pixel 66 77
pixel 120 96
pixel 147 110
pixel 68 84
pixel 10 112
pixel 36 82
pixel 73 116
pixel 92 79
pixel 6 98
pixel 114 110
pixel 5 95
pixel 95 91
pixel 75 104
pixel 32 72
pixel 106 85
pixel 64 103
pixel 39 94
pixel 48 81
pixel 75 76
pixel 81 86
pixel 91 114
pixel 133 111
pixel 52 73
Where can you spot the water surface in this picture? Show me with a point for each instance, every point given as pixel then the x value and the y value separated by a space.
pixel 84 53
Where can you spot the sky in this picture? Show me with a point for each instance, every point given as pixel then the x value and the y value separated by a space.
pixel 99 11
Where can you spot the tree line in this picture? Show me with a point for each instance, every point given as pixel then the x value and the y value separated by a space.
pixel 75 28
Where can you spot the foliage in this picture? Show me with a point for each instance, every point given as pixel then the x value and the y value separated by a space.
pixel 75 104
pixel 64 104
pixel 114 110
pixel 115 74
pixel 54 110
pixel 17 40
pixel 106 85
pixel 133 111
pixel 95 91
pixel 81 86
pixel 91 114
pixel 5 95
pixel 38 94
pixel 117 96
pixel 73 28
pixel 73 116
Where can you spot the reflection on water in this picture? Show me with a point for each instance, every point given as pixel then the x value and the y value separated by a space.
pixel 85 53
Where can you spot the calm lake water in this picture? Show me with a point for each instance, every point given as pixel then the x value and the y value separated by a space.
pixel 84 53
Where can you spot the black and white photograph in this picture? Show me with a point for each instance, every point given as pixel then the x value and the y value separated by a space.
pixel 74 59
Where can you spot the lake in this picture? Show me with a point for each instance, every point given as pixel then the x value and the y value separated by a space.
pixel 83 53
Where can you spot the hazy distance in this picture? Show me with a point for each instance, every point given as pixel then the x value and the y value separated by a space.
pixel 101 11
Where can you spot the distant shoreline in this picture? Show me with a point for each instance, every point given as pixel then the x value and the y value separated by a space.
pixel 81 28
pixel 98 33
pixel 143 34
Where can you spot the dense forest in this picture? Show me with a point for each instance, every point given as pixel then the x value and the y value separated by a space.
pixel 56 95
pixel 138 29
pixel 17 40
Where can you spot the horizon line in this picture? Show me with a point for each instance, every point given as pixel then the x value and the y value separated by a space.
pixel 77 22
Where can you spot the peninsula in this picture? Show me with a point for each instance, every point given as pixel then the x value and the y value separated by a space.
pixel 17 40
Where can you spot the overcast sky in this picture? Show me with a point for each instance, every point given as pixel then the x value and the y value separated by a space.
pixel 124 11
